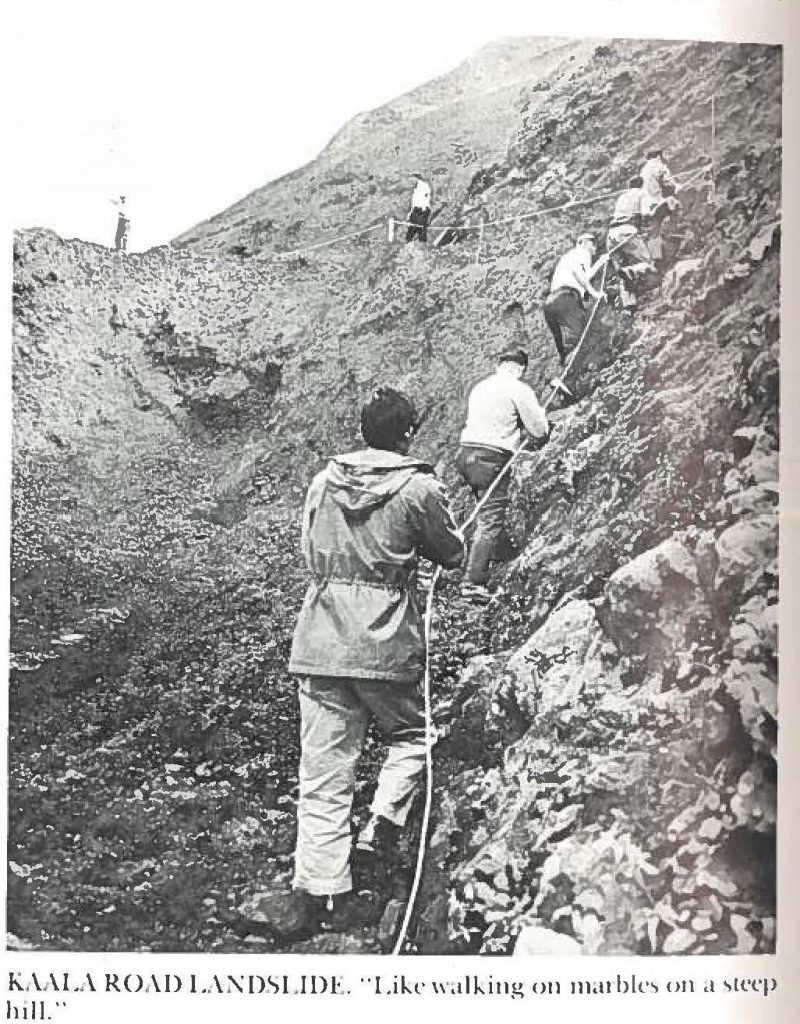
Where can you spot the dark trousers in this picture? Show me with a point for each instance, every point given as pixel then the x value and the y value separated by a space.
pixel 418 224
pixel 566 318
pixel 480 467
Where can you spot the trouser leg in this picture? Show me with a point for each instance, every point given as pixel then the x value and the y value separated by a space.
pixel 418 224
pixel 333 723
pixel 553 322
pixel 633 262
pixel 480 468
pixel 573 321
pixel 425 216
pixel 489 531
pixel 566 318
pixel 626 294
pixel 399 710
pixel 655 243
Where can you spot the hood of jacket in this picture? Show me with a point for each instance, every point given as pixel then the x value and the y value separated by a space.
pixel 361 481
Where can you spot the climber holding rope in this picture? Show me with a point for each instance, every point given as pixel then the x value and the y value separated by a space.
pixel 499 408
pixel 359 649
pixel 564 310
pixel 624 234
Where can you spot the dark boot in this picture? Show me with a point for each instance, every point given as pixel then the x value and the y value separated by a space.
pixel 374 855
pixel 286 916
pixel 377 837
pixel 347 912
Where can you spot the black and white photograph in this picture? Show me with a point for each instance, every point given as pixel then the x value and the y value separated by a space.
pixel 394 492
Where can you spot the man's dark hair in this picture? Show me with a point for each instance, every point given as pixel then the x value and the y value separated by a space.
pixel 636 181
pixel 652 153
pixel 513 355
pixel 387 418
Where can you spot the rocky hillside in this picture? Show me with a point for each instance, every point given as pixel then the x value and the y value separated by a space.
pixel 606 770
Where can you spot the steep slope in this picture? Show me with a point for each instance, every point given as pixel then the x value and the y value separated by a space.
pixel 445 129
pixel 606 768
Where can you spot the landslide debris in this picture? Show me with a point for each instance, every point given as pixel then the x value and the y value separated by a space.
pixel 605 776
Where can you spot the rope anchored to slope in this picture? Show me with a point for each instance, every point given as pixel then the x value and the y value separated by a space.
pixel 429 604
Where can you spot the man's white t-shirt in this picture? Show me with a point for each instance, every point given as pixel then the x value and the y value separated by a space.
pixel 577 259
pixel 421 197
pixel 498 408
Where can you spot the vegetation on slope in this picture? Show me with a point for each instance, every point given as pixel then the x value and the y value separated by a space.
pixel 606 768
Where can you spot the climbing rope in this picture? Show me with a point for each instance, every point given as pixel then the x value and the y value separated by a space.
pixel 288 253
pixel 571 204
pixel 429 619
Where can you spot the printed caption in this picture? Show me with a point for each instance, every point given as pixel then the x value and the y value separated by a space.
pixel 40 996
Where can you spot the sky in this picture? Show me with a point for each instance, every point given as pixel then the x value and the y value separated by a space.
pixel 187 107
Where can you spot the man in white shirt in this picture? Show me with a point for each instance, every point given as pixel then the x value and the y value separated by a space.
pixel 659 188
pixel 564 309
pixel 420 213
pixel 626 239
pixel 499 408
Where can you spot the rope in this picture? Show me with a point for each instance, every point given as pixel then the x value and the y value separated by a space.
pixel 569 205
pixel 286 254
pixel 428 621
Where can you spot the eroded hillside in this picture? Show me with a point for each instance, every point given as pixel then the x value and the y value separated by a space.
pixel 606 769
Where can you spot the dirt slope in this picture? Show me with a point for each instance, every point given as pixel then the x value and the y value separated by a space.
pixel 607 762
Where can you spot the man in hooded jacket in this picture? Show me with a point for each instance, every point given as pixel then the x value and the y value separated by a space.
pixel 359 649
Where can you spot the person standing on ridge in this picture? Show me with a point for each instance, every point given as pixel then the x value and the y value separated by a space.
pixel 498 409
pixel 359 649
pixel 564 310
pixel 631 254
pixel 123 225
pixel 659 188
pixel 115 321
pixel 420 214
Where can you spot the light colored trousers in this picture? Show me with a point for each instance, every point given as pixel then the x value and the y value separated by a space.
pixel 334 715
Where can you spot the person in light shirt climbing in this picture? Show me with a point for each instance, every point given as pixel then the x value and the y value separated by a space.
pixel 626 240
pixel 420 213
pixel 359 649
pixel 499 408
pixel 659 188
pixel 564 309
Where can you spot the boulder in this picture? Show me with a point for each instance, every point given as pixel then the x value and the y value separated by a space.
pixel 747 550
pixel 552 668
pixel 652 602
